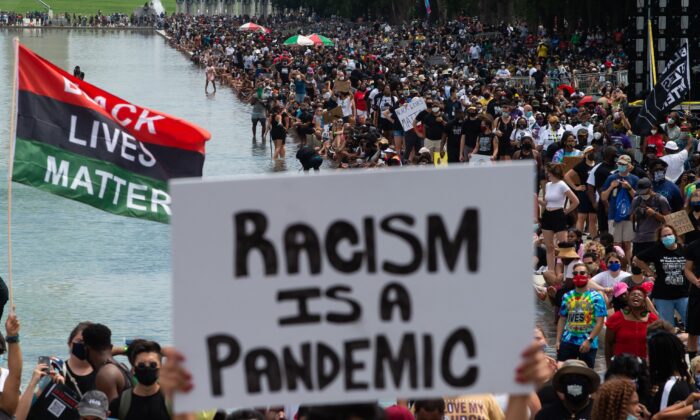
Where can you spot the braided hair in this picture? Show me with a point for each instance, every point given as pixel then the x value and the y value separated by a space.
pixel 666 358
pixel 612 401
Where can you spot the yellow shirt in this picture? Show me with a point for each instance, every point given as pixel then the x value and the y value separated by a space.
pixel 542 51
pixel 473 407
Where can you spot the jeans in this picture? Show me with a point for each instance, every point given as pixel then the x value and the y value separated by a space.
pixel 568 351
pixel 666 307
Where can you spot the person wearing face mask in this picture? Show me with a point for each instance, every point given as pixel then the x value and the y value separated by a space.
pixel 693 210
pixel 605 281
pixel 80 376
pixel 487 143
pixel 522 129
pixel 672 127
pixel 503 127
pixel 655 139
pixel 692 273
pixel 581 319
pixel 664 187
pixel 576 179
pixel 648 211
pixel 568 150
pixel 145 400
pixel 550 135
pixel 584 128
pixel 574 383
pixel 111 377
pixel 618 192
pixel 671 285
pixel 471 128
pixel 452 138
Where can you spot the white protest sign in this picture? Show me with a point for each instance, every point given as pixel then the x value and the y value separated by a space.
pixel 480 160
pixel 408 112
pixel 282 295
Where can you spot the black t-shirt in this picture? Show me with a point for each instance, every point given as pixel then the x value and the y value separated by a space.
pixel 557 411
pixel 680 391
pixel 278 132
pixel 433 127
pixel 602 173
pixel 152 408
pixel 454 135
pixel 693 235
pixel 85 383
pixel 471 130
pixel 582 170
pixel 538 76
pixel 485 144
pixel 670 281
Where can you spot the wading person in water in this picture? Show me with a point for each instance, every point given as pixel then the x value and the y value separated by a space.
pixel 210 73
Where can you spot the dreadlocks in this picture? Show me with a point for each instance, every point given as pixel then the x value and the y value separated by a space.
pixel 666 358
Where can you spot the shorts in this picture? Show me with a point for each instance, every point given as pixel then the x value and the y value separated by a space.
pixel 554 220
pixel 584 203
pixel 622 231
pixel 398 133
pixel 262 121
pixel 361 113
pixel 693 318
pixel 432 145
pixel 314 163
pixel 299 97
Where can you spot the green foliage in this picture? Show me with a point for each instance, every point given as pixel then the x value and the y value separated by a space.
pixel 84 7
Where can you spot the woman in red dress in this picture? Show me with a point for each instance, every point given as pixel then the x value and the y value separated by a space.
pixel 627 329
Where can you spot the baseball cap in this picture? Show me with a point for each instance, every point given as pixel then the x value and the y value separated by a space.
pixel 625 160
pixel 619 289
pixel 643 186
pixel 94 403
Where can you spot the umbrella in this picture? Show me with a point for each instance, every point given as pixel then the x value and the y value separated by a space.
pixel 587 100
pixel 299 40
pixel 567 88
pixel 321 40
pixel 253 27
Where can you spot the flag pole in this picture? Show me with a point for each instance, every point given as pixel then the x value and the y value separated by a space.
pixel 651 55
pixel 10 166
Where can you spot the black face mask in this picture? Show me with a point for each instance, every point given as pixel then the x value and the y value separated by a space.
pixel 146 375
pixel 636 270
pixel 78 350
pixel 576 391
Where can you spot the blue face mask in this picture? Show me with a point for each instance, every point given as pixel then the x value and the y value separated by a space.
pixel 631 417
pixel 614 266
pixel 621 168
pixel 668 240
pixel 528 114
pixel 695 205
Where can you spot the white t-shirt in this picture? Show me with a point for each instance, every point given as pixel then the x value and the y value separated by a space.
pixel 555 194
pixel 605 279
pixel 675 164
pixel 548 136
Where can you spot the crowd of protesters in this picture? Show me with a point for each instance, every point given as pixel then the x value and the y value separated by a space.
pixel 147 19
pixel 617 273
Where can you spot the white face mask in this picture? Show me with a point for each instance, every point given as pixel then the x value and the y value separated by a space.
pixel 435 110
pixel 653 131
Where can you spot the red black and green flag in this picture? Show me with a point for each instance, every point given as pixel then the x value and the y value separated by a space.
pixel 78 141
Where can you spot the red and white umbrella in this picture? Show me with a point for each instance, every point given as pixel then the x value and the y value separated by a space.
pixel 253 27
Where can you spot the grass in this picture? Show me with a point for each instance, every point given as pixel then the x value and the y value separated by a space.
pixel 84 7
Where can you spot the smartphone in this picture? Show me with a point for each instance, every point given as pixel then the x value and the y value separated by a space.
pixel 45 360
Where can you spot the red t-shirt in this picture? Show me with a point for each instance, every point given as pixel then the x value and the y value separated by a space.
pixel 360 103
pixel 630 336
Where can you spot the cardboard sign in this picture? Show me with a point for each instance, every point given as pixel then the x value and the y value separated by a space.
pixel 408 112
pixel 56 401
pixel 278 300
pixel 570 161
pixel 680 221
pixel 329 116
pixel 436 60
pixel 480 160
pixel 341 86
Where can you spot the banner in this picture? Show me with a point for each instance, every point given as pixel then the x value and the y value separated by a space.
pixel 78 141
pixel 669 91
pixel 352 300
pixel 409 111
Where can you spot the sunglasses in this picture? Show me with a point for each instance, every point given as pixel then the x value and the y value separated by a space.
pixel 580 273
pixel 151 365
